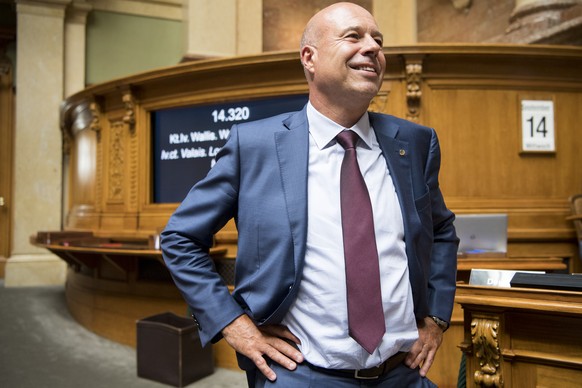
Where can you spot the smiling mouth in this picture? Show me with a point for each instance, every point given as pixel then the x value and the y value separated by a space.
pixel 369 69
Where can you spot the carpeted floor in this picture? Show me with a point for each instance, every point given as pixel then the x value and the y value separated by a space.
pixel 41 345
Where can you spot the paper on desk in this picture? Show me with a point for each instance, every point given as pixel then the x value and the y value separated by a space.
pixel 493 277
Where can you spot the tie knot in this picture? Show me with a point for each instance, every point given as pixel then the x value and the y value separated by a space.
pixel 347 139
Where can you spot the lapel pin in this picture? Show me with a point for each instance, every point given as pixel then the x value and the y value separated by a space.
pixel 402 152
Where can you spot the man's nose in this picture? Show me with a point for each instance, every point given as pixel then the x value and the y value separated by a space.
pixel 371 45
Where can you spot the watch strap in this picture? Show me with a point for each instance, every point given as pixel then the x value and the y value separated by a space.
pixel 444 325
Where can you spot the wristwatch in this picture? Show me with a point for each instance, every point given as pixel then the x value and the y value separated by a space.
pixel 444 325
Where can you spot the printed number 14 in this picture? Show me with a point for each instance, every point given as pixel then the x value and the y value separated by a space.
pixel 539 128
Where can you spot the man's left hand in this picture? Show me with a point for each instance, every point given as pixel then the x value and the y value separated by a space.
pixel 423 351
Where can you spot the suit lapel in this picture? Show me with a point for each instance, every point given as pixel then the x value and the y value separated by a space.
pixel 397 155
pixel 292 147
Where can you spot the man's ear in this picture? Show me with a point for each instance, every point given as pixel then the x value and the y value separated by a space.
pixel 308 54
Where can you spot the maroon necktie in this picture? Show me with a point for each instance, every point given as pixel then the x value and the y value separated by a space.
pixel 365 312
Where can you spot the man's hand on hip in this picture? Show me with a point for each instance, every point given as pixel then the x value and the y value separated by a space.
pixel 430 337
pixel 270 341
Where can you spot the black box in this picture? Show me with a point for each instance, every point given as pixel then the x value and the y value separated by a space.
pixel 169 350
pixel 548 281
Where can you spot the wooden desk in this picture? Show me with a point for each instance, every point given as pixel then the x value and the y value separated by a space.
pixel 113 283
pixel 511 263
pixel 116 259
pixel 110 286
pixel 548 264
pixel 445 369
pixel 519 337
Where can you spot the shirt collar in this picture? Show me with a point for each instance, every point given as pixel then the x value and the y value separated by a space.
pixel 324 130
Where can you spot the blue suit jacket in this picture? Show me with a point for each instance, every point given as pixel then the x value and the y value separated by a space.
pixel 260 179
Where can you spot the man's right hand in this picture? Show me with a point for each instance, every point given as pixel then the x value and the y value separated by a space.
pixel 255 342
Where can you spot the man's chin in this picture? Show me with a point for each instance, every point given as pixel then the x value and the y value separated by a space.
pixel 367 92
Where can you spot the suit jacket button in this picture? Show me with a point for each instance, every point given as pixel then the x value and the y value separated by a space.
pixel 402 152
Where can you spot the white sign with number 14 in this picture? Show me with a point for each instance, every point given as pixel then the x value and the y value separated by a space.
pixel 537 125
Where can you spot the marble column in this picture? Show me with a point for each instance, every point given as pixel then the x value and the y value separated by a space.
pixel 75 46
pixel 74 67
pixel 37 143
pixel 221 28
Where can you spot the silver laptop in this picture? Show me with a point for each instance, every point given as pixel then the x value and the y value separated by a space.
pixel 482 233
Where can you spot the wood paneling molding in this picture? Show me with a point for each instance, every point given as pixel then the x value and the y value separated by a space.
pixel 469 93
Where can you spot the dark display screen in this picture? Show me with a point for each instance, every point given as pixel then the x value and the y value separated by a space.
pixel 187 139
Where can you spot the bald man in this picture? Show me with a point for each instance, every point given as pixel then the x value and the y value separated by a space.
pixel 281 179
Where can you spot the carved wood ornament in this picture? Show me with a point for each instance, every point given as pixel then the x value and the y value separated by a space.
pixel 413 89
pixel 484 335
pixel 129 106
pixel 95 109
pixel 116 162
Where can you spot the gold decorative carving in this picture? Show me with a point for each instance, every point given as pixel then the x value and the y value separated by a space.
pixel 129 106
pixel 95 125
pixel 484 335
pixel 133 170
pixel 116 161
pixel 99 178
pixel 413 89
pixel 378 103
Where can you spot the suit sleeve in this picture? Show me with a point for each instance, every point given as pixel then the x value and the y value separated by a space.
pixel 443 267
pixel 187 238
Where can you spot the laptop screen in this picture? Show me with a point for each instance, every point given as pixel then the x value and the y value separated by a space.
pixel 482 232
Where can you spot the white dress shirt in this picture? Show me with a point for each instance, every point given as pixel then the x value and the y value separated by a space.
pixel 318 316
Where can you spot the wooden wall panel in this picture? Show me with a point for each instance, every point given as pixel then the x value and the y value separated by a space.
pixel 483 145
pixel 473 101
pixel 469 94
